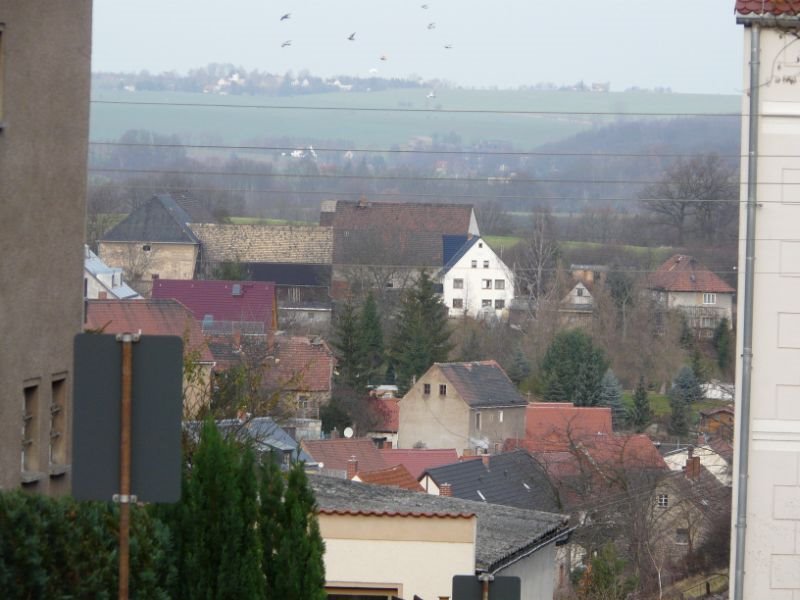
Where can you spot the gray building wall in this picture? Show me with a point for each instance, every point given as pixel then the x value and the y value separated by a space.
pixel 45 77
pixel 537 573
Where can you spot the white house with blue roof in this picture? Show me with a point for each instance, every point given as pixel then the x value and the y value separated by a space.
pixel 476 282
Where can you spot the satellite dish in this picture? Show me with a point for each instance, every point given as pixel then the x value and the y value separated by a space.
pixel 348 432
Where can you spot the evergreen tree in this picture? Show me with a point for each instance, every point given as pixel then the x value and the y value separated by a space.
pixel 553 391
pixel 520 368
pixel 640 415
pixel 422 336
pixel 370 342
pixel 587 390
pixel 611 396
pixel 470 347
pixel 572 355
pixel 299 559
pixel 270 524
pixel 346 344
pixel 686 386
pixel 723 344
pixel 679 415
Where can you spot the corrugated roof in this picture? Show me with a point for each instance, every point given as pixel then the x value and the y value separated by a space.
pixel 482 383
pixel 150 317
pixel 681 273
pixel 279 244
pixel 334 454
pixel 163 218
pixel 240 301
pixel 503 531
pixel 395 476
pixel 512 479
pixel 418 460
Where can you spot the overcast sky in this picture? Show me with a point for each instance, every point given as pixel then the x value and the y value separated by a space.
pixel 688 45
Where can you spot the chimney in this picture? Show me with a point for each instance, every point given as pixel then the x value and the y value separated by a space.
pixel 446 490
pixel 693 467
pixel 102 295
pixel 485 460
pixel 352 467
pixel 387 445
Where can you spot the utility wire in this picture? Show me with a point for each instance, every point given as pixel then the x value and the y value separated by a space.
pixel 418 110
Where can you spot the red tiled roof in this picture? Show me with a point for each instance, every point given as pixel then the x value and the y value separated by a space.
pixel 717 410
pixel 300 363
pixel 396 476
pixel 394 513
pixel 561 422
pixel 387 411
pixel 768 7
pixel 409 216
pixel 255 303
pixel 682 273
pixel 419 460
pixel 334 454
pixel 150 317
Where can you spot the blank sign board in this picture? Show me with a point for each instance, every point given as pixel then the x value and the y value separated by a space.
pixel 468 587
pixel 157 406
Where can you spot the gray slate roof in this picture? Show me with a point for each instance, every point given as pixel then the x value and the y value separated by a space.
pixel 511 479
pixel 459 255
pixel 503 532
pixel 482 384
pixel 163 218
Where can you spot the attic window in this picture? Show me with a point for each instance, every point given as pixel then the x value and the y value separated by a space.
pixel 426 388
pixel 442 389
pixel 579 291
pixel 237 289
pixel 480 244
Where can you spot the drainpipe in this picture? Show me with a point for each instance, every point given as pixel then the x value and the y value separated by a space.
pixel 747 319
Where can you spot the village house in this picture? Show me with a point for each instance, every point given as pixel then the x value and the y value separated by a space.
pixel 344 457
pixel 476 282
pixel 160 317
pixel 577 307
pixel 101 282
pixel 471 406
pixel 718 422
pixel 682 283
pixel 386 413
pixel 386 542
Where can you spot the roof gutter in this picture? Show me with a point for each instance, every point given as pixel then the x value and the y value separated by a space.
pixel 779 21
pixel 747 318
pixel 553 536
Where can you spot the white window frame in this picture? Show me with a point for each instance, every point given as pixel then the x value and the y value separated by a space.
pixel 709 298
pixel 662 501
pixel 486 284
pixel 499 284
pixel 458 284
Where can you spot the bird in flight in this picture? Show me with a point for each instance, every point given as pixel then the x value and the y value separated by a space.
pixel 352 37
pixel 448 46
pixel 384 57
pixel 286 43
pixel 286 16
pixel 431 25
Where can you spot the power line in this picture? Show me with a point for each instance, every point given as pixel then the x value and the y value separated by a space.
pixel 419 110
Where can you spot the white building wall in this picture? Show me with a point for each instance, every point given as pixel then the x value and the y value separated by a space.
pixel 474 294
pixel 772 548
pixel 537 574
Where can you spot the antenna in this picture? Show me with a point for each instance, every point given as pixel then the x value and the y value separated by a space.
pixel 348 432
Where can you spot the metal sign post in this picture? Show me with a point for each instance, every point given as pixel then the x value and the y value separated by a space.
pixel 124 497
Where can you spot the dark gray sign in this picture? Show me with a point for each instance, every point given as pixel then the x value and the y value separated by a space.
pixel 469 587
pixel 157 407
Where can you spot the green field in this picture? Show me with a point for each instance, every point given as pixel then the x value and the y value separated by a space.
pixel 228 120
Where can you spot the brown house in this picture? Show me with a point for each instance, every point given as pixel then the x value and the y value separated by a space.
pixel 718 422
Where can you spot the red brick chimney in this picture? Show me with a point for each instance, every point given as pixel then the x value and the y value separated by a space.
pixel 352 467
pixel 446 490
pixel 693 467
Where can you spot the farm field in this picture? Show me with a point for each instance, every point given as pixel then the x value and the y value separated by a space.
pixel 230 120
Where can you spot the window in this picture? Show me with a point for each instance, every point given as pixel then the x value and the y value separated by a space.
pixel 499 284
pixel 662 501
pixel 458 284
pixel 486 284
pixel 486 264
pixel 442 389
pixel 458 303
pixel 426 388
pixel 500 416
pixel 478 421
pixel 499 304
pixel 30 429
pixel 58 417
pixel 709 298
pixel 480 244
pixel 579 291
pixel 486 303
pixel 474 264
pixel 146 248
pixel 682 537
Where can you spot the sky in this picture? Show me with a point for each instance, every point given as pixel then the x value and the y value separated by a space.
pixel 691 46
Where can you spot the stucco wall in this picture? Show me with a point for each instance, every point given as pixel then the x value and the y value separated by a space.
pixel 772 560
pixel 537 573
pixel 472 293
pixel 497 425
pixel 436 421
pixel 43 149
pixel 418 554
pixel 168 261
pixel 724 302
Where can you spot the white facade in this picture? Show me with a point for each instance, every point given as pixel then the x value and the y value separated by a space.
pixel 103 282
pixel 477 283
pixel 772 533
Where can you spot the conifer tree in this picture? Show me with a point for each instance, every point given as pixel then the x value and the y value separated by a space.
pixel 679 415
pixel 611 396
pixel 568 357
pixel 587 390
pixel 270 524
pixel 686 386
pixel 640 415
pixel 346 344
pixel 370 342
pixel 553 391
pixel 723 343
pixel 422 336
pixel 520 368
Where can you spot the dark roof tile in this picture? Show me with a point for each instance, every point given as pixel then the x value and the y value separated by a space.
pixel 482 383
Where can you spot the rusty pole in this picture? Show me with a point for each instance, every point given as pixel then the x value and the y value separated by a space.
pixel 124 497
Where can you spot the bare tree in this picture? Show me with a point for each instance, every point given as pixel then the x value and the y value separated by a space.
pixel 535 260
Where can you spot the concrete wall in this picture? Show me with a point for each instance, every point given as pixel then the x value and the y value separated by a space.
pixel 497 425
pixel 772 560
pixel 46 49
pixel 168 261
pixel 537 573
pixel 473 294
pixel 436 421
pixel 416 555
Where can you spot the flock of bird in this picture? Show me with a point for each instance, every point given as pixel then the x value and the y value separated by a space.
pixel 352 36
